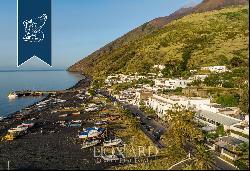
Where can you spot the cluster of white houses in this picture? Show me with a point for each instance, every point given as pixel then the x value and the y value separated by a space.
pixel 215 68
pixel 208 113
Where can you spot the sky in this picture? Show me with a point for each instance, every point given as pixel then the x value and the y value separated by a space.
pixel 79 27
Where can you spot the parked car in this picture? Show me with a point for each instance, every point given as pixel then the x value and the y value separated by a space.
pixel 149 117
pixel 143 123
pixel 148 127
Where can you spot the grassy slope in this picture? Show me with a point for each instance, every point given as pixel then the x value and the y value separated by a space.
pixel 208 38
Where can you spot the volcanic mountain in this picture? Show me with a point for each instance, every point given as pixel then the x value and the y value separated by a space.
pixel 119 55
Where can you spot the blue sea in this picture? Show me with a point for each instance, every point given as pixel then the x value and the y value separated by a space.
pixel 31 80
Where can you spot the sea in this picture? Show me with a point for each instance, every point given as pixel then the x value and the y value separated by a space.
pixel 31 80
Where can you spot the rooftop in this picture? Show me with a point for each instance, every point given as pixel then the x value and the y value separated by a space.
pixel 220 118
pixel 230 140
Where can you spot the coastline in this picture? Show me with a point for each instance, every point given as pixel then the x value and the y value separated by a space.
pixel 46 126
pixel 46 97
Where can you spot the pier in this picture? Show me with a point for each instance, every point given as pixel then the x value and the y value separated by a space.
pixel 27 93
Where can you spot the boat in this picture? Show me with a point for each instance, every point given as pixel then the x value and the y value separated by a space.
pixel 111 157
pixel 87 144
pixel 12 95
pixel 101 123
pixel 28 124
pixel 64 115
pixel 76 113
pixel 91 132
pixel 17 131
pixel 1 118
pixel 110 142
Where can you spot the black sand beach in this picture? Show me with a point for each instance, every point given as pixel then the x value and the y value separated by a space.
pixel 48 145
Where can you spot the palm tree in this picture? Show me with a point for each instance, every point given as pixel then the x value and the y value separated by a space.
pixel 203 158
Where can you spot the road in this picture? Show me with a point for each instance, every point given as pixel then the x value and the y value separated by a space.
pixel 156 130
pixel 219 164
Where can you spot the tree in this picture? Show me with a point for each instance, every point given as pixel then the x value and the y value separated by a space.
pixel 171 69
pixel 244 100
pixel 243 161
pixel 220 130
pixel 222 60
pixel 182 128
pixel 237 62
pixel 228 100
pixel 212 80
pixel 228 84
pixel 203 158
pixel 196 82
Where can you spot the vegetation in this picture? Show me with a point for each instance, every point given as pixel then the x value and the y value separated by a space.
pixel 183 131
pixel 177 91
pixel 228 100
pixel 145 81
pixel 243 161
pixel 148 111
pixel 201 39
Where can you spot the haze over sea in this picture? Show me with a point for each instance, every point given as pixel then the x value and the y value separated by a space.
pixel 31 80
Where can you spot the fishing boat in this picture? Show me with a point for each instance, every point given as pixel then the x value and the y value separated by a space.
pixel 17 131
pixel 101 123
pixel 76 113
pixel 76 123
pixel 64 115
pixel 28 124
pixel 91 132
pixel 111 157
pixel 12 95
pixel 90 143
pixel 114 142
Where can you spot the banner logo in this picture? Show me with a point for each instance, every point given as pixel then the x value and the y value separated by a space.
pixel 34 30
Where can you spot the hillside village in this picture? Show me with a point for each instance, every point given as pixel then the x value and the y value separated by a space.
pixel 162 95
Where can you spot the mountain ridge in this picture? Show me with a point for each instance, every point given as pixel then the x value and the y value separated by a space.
pixel 207 5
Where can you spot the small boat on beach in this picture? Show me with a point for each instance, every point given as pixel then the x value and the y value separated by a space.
pixel 75 113
pixel 101 123
pixel 114 142
pixel 92 143
pixel 17 131
pixel 28 124
pixel 111 157
pixel 63 115
pixel 76 123
pixel 92 132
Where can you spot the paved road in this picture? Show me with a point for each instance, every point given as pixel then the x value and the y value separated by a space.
pixel 155 126
pixel 222 165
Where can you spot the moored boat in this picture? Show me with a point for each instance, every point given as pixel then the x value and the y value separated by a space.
pixel 12 95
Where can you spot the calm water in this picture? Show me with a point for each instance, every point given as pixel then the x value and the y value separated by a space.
pixel 31 80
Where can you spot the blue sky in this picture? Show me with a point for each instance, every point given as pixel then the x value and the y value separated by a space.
pixel 79 27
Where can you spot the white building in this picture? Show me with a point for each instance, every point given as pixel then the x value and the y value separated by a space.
pixel 161 104
pixel 198 77
pixel 161 67
pixel 121 78
pixel 170 84
pixel 215 68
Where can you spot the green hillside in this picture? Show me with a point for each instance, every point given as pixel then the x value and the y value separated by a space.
pixel 202 39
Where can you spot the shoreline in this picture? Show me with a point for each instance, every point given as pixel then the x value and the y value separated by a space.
pixel 46 97
pixel 48 137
